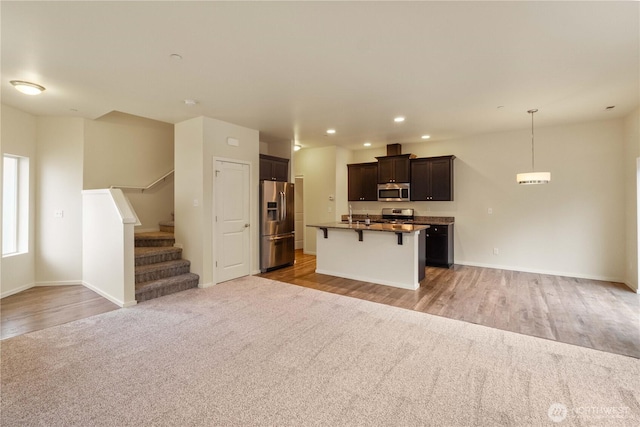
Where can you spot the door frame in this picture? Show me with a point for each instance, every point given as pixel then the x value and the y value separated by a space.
pixel 214 211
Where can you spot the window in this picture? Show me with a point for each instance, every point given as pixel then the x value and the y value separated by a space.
pixel 15 205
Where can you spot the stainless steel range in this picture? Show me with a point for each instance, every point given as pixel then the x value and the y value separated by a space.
pixel 397 216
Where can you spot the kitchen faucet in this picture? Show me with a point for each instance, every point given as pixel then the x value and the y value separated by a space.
pixel 350 215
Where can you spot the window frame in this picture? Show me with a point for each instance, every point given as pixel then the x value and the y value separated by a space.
pixel 15 225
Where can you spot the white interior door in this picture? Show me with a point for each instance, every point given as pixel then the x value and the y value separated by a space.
pixel 232 220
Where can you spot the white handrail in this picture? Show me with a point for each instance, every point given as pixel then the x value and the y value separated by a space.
pixel 153 184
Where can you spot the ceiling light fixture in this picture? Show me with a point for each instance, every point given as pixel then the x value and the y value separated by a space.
pixel 297 147
pixel 426 136
pixel 27 88
pixel 533 177
pixel 399 119
pixel 331 131
pixel 175 56
pixel 367 144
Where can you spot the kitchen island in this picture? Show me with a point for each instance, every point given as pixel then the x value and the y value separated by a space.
pixel 386 254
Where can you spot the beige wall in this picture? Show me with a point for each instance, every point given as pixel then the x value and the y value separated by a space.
pixel 121 149
pixel 318 167
pixel 189 184
pixel 574 226
pixel 631 156
pixel 59 187
pixel 197 143
pixel 19 138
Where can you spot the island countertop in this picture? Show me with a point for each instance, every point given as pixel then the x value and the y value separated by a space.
pixel 394 228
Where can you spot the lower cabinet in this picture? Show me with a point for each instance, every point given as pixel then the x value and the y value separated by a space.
pixel 439 244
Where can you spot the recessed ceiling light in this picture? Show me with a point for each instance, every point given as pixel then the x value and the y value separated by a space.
pixel 190 102
pixel 175 56
pixel 331 131
pixel 367 144
pixel 399 119
pixel 27 88
pixel 610 107
pixel 425 136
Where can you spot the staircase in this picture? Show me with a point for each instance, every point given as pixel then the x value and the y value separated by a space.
pixel 159 267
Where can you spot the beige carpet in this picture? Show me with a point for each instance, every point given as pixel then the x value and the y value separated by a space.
pixel 258 352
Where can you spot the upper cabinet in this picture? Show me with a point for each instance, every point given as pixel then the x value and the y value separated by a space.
pixel 273 168
pixel 394 168
pixel 432 178
pixel 363 181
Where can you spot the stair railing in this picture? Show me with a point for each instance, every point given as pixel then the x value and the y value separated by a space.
pixel 148 187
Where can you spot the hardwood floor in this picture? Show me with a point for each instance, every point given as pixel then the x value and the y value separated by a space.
pixel 42 307
pixel 589 313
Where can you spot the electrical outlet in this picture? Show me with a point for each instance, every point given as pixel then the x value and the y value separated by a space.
pixel 495 251
pixel 490 211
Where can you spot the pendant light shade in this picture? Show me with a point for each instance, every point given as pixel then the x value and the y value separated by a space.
pixel 533 177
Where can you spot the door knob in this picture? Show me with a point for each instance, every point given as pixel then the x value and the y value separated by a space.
pixel 246 225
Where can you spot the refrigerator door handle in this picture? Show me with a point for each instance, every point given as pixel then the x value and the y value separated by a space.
pixel 283 207
pixel 288 236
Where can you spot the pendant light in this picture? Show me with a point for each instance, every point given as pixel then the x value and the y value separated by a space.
pixel 533 177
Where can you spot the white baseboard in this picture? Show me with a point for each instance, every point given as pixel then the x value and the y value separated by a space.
pixel 60 283
pixel 633 288
pixel 538 271
pixel 17 290
pixel 206 285
pixel 111 298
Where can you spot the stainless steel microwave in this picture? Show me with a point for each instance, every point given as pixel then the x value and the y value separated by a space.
pixel 394 192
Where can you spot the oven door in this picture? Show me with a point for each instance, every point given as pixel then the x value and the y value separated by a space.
pixel 393 192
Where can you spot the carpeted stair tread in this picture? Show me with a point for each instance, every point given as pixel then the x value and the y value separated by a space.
pixel 167 226
pixel 153 254
pixel 160 270
pixel 169 285
pixel 154 238
pixel 153 235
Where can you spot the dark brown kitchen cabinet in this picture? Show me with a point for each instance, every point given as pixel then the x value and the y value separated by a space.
pixel 363 181
pixel 432 178
pixel 273 168
pixel 394 168
pixel 439 244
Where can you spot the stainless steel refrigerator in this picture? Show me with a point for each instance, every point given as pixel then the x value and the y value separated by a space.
pixel 277 239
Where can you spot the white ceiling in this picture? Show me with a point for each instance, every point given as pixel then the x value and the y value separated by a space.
pixel 294 69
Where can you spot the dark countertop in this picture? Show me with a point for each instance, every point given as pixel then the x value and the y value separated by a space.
pixel 395 228
pixel 418 220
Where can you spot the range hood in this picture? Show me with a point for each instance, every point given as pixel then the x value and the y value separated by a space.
pixel 396 150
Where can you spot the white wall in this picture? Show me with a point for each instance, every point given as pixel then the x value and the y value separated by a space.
pixel 108 246
pixel 197 142
pixel 59 187
pixel 19 138
pixel 574 226
pixel 632 153
pixel 121 149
